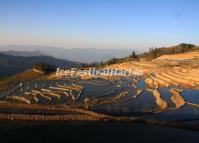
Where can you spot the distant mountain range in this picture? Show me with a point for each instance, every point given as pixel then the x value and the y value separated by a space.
pixel 15 58
pixel 86 55
pixel 10 65
pixel 23 53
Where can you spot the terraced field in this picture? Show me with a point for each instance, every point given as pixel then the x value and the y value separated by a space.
pixel 179 77
pixel 99 99
pixel 166 94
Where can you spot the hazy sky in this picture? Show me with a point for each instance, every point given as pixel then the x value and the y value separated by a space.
pixel 99 23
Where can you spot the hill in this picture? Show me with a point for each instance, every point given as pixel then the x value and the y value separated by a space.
pixel 154 53
pixel 25 75
pixel 180 56
pixel 10 65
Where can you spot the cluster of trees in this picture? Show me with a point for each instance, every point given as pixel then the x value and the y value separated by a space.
pixel 112 61
pixel 157 52
pixel 101 64
pixel 44 67
pixel 133 55
pixel 94 64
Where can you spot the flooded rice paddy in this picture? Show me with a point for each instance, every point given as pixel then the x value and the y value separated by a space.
pixel 121 97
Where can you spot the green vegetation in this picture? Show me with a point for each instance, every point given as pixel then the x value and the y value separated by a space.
pixel 157 52
pixel 154 53
pixel 133 55
pixel 43 67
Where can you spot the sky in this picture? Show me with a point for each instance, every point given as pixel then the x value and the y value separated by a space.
pixel 137 24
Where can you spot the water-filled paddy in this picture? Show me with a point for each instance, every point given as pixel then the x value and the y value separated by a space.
pixel 104 97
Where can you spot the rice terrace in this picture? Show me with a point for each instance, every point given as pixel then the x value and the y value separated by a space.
pixel 161 94
pixel 115 71
pixel 165 94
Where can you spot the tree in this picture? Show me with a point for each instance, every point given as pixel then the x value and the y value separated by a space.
pixel 133 55
pixel 44 67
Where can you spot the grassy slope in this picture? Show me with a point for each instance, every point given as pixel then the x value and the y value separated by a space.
pixel 26 75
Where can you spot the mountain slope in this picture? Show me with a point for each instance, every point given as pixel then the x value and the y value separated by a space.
pixel 87 55
pixel 23 53
pixel 154 53
pixel 10 65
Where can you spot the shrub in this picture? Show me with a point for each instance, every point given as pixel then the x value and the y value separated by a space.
pixel 44 67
